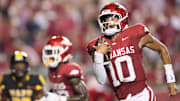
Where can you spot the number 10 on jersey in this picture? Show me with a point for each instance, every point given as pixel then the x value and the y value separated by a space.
pixel 118 67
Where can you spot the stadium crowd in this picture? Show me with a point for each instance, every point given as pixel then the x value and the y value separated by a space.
pixel 27 24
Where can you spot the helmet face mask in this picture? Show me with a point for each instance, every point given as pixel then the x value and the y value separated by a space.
pixel 57 50
pixel 113 11
pixel 52 55
pixel 110 23
pixel 19 64
pixel 20 69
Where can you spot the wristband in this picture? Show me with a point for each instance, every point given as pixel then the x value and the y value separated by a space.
pixel 42 99
pixel 63 98
pixel 170 77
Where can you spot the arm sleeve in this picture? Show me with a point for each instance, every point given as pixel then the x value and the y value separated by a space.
pixel 98 68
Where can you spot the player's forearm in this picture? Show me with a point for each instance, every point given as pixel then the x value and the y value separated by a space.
pixel 164 55
pixel 154 44
pixel 98 68
pixel 74 98
pixel 170 77
pixel 77 98
pixel 81 92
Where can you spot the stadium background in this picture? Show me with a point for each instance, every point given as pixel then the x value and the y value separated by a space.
pixel 28 24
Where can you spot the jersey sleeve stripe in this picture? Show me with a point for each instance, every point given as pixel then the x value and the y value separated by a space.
pixel 42 80
pixel 3 87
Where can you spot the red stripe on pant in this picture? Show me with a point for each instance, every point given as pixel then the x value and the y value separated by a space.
pixel 154 98
pixel 150 94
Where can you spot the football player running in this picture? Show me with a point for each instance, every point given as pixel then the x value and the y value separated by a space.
pixel 66 78
pixel 117 55
pixel 19 85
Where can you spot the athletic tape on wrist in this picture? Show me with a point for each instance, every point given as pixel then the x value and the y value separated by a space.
pixel 63 98
pixel 170 77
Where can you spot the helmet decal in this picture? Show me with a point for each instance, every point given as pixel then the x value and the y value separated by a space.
pixel 19 55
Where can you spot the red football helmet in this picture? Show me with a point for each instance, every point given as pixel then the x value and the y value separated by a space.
pixel 113 10
pixel 57 50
